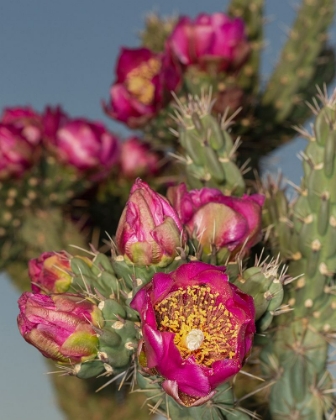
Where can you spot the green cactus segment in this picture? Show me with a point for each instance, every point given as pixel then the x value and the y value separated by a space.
pixel 299 345
pixel 252 14
pixel 96 275
pixel 220 407
pixel 135 277
pixel 35 201
pixel 297 64
pixel 296 360
pixel 265 284
pixel 156 31
pixel 209 148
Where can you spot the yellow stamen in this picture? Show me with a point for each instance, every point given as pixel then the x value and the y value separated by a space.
pixel 139 80
pixel 203 327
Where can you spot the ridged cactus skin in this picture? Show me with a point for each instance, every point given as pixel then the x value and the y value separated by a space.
pixel 219 407
pixel 118 337
pixel 41 197
pixel 269 111
pixel 305 61
pixel 209 148
pixel 296 353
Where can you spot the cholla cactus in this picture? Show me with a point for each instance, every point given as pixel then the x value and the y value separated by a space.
pixel 188 303
pixel 299 345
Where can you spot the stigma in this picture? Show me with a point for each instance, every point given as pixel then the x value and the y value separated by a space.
pixel 194 339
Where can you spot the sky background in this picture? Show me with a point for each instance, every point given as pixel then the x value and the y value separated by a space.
pixel 64 53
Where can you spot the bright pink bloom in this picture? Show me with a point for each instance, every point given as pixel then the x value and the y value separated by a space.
pixel 61 326
pixel 50 272
pixel 137 158
pixel 149 230
pixel 142 87
pixel 210 42
pixel 17 153
pixel 197 330
pixel 28 121
pixel 86 145
pixel 214 219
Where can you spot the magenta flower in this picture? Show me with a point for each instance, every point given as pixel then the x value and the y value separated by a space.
pixel 87 146
pixel 26 120
pixel 216 220
pixel 137 158
pixel 143 84
pixel 197 330
pixel 61 326
pixel 210 42
pixel 149 230
pixel 50 272
pixel 17 153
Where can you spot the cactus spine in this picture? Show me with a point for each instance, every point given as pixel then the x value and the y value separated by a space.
pixel 299 345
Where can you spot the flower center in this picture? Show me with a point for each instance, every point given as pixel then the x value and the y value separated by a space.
pixel 139 80
pixel 194 339
pixel 202 325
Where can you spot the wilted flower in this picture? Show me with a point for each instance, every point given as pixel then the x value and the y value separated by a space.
pixel 86 145
pixel 149 230
pixel 50 272
pixel 61 326
pixel 137 158
pixel 216 220
pixel 210 41
pixel 197 330
pixel 143 84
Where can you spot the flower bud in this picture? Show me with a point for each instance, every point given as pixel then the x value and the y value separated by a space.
pixel 87 146
pixel 137 159
pixel 50 272
pixel 25 119
pixel 61 326
pixel 17 154
pixel 216 220
pixel 149 229
pixel 210 42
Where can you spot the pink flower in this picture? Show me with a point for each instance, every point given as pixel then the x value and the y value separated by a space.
pixel 137 158
pixel 142 87
pixel 26 120
pixel 17 153
pixel 50 272
pixel 85 145
pixel 216 220
pixel 61 326
pixel 197 330
pixel 149 230
pixel 210 41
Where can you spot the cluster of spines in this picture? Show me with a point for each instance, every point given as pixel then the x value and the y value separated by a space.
pixel 209 149
pixel 29 203
pixel 299 344
pixel 305 62
pixel 118 337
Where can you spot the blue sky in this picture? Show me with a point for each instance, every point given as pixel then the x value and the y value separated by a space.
pixel 64 53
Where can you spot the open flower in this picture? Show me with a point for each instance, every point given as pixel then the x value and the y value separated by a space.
pixel 149 230
pixel 142 87
pixel 216 220
pixel 197 330
pixel 210 41
pixel 61 326
pixel 86 145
